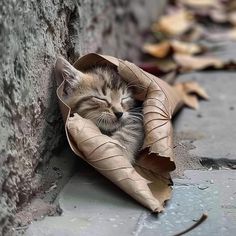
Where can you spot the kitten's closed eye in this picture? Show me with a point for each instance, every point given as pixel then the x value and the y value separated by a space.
pixel 100 100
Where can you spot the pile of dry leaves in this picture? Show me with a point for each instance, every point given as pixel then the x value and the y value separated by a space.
pixel 193 35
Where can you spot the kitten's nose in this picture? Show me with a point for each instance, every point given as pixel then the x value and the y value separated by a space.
pixel 118 114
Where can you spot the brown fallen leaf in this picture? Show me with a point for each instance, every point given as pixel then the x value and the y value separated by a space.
pixel 187 88
pixel 185 47
pixel 159 50
pixel 149 182
pixel 174 24
pixel 108 157
pixel 189 63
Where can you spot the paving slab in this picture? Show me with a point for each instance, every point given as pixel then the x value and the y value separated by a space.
pixel 213 125
pixel 211 192
pixel 93 206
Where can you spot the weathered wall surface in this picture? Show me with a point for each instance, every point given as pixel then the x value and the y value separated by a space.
pixel 32 34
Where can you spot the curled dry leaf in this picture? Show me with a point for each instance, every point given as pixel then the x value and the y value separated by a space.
pixel 108 157
pixel 159 50
pixel 189 63
pixel 185 48
pixel 174 24
pixel 187 88
pixel 149 182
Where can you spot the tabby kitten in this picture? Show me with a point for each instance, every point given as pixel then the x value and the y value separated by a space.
pixel 99 94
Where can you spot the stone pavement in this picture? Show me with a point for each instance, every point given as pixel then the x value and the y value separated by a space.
pixel 93 206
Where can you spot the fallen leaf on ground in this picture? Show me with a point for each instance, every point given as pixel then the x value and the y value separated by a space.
pixel 159 50
pixel 189 63
pixel 108 157
pixel 185 47
pixel 190 91
pixel 174 24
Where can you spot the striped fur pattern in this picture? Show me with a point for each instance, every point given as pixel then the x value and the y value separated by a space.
pixel 99 94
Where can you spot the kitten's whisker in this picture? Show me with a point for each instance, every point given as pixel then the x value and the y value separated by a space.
pixel 135 118
pixel 136 114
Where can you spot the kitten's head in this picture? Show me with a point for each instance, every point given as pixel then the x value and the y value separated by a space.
pixel 99 94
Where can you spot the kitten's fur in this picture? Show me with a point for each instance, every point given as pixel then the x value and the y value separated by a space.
pixel 99 94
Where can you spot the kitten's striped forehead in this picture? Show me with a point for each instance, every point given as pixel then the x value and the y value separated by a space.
pixel 107 79
pixel 99 82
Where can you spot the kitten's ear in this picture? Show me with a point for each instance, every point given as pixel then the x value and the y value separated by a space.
pixel 68 73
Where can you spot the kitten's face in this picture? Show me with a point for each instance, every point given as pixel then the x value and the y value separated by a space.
pixel 99 95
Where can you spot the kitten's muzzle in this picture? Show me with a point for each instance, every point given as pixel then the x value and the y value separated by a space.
pixel 118 115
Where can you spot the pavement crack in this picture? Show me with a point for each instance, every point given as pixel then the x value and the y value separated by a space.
pixel 140 224
pixel 217 164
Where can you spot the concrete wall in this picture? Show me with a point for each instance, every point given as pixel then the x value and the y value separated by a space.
pixel 32 34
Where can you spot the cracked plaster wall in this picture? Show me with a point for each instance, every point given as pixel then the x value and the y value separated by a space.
pixel 32 34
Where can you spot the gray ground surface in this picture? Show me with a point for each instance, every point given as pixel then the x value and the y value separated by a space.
pixel 93 206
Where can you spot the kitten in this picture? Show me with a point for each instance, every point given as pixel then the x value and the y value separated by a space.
pixel 100 94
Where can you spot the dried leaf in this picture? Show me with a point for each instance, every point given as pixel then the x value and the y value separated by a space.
pixel 174 24
pixel 159 50
pixel 187 89
pixel 149 182
pixel 189 63
pixel 108 157
pixel 185 48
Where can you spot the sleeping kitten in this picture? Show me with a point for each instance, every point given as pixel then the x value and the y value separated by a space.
pixel 99 94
